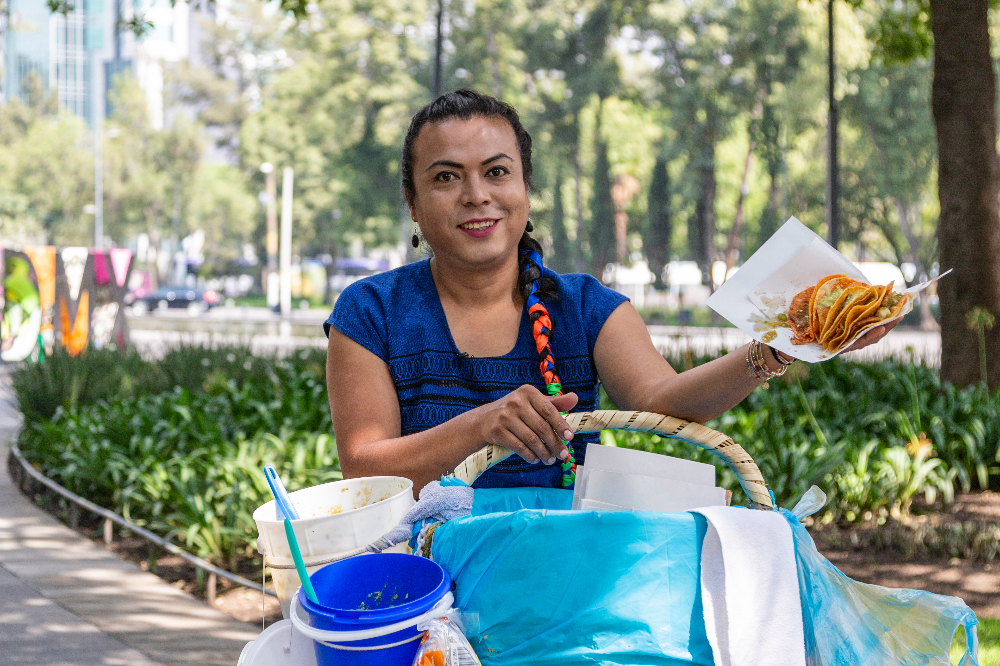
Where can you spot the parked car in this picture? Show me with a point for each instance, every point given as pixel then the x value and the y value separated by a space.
pixel 346 271
pixel 195 301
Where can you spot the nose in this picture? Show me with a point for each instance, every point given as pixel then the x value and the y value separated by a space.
pixel 475 192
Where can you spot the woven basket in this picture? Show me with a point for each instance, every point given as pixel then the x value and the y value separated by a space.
pixel 739 461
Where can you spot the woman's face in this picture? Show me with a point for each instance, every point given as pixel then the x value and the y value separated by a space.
pixel 470 198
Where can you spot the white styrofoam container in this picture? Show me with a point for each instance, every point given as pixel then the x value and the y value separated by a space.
pixel 335 518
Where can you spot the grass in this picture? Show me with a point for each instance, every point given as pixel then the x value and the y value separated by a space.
pixel 989 643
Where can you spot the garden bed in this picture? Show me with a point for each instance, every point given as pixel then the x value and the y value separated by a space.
pixel 952 551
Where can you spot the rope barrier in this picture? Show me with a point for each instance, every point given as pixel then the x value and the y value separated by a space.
pixel 15 452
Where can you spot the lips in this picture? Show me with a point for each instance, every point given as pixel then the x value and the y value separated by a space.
pixel 479 228
pixel 475 225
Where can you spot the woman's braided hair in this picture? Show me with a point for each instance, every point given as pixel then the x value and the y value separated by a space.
pixel 531 282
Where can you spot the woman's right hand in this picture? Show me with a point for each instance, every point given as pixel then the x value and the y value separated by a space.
pixel 528 423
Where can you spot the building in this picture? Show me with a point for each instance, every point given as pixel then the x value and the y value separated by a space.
pixel 83 50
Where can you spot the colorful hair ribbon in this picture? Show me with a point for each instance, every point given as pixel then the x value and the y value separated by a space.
pixel 541 330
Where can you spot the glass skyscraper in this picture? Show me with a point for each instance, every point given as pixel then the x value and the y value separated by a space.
pixel 46 52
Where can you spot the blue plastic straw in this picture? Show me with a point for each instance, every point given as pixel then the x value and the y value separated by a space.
pixel 286 510
pixel 300 566
pixel 285 507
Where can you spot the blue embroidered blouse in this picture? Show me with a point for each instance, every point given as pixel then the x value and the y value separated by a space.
pixel 398 316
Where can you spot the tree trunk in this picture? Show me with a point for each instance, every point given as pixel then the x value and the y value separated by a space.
pixel 657 238
pixel 561 261
pixel 602 208
pixel 602 214
pixel 703 235
pixel 579 262
pixel 963 100
pixel 734 240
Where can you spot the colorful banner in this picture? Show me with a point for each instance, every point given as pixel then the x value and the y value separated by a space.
pixel 71 297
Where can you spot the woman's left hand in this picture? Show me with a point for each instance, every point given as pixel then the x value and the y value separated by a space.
pixel 872 336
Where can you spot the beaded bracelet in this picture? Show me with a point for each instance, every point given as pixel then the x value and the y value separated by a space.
pixel 757 365
pixel 777 357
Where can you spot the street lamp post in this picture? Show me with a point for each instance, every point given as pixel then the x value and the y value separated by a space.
pixel 833 117
pixel 271 240
pixel 286 243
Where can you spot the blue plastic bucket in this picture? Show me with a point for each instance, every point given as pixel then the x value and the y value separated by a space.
pixel 369 592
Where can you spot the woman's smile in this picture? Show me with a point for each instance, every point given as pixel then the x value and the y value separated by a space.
pixel 479 228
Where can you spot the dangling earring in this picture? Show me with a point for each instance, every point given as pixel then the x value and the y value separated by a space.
pixel 415 241
pixel 530 227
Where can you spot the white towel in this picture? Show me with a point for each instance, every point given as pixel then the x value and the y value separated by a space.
pixel 750 589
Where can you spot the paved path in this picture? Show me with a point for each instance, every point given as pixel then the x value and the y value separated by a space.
pixel 65 601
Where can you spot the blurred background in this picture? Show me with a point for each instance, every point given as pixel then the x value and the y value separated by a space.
pixel 671 138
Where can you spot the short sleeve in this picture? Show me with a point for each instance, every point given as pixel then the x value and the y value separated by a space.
pixel 359 313
pixel 597 302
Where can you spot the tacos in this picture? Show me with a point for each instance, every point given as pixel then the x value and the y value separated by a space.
pixel 838 308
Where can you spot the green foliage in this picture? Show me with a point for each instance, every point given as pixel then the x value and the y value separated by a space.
pixel 873 436
pixel 700 85
pixel 149 176
pixel 187 461
pixel 902 32
pixel 178 444
pixel 62 381
pixel 46 176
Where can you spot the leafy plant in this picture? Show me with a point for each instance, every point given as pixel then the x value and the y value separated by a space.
pixel 178 445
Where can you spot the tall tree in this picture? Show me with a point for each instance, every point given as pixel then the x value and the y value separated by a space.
pixel 705 85
pixel 602 208
pixel 963 100
pixel 567 63
pixel 46 173
pixel 889 163
pixel 562 259
pixel 964 104
pixel 770 46
pixel 241 53
pixel 701 235
pixel 338 117
pixel 656 240
pixel 771 151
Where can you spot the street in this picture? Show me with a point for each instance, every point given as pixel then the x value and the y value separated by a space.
pixel 267 332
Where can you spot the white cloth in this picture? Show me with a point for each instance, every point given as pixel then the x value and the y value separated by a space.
pixel 750 588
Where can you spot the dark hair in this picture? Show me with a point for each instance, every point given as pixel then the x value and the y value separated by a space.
pixel 466 103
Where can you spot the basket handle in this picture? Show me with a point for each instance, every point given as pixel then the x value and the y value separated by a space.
pixel 746 470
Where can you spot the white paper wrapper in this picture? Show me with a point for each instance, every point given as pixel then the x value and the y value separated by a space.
pixel 793 259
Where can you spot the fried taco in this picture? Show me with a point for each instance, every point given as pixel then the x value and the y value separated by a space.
pixel 838 308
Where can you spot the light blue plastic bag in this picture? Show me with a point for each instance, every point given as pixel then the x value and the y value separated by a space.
pixel 543 585
pixel 847 622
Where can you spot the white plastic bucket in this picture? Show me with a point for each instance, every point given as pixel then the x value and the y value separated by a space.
pixel 336 519
pixel 279 645
pixel 341 647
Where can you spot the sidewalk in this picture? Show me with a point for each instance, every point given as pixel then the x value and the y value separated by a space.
pixel 65 601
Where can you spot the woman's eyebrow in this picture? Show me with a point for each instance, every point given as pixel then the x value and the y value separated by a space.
pixel 447 163
pixel 458 165
pixel 495 158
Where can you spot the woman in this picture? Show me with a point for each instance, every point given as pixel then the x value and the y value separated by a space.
pixel 430 362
